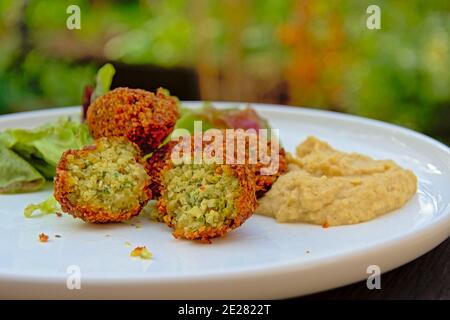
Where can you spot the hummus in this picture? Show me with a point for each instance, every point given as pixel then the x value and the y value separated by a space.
pixel 328 187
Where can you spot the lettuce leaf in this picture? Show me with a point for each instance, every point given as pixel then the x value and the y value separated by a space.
pixel 47 206
pixel 16 174
pixel 229 118
pixel 42 147
pixel 103 81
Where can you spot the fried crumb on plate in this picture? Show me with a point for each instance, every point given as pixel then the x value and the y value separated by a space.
pixel 43 237
pixel 141 252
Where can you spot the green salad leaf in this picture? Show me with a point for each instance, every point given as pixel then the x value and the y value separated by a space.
pixel 219 118
pixel 103 81
pixel 16 174
pixel 45 207
pixel 189 116
pixel 42 147
pixel 227 118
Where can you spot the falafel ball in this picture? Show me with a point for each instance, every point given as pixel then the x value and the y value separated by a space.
pixel 106 182
pixel 207 200
pixel 263 183
pixel 143 117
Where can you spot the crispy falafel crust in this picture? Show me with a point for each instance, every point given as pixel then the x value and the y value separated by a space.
pixel 265 182
pixel 85 212
pixel 143 117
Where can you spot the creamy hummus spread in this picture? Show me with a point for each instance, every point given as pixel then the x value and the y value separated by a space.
pixel 328 187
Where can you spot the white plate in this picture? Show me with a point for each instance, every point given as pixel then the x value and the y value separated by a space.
pixel 262 259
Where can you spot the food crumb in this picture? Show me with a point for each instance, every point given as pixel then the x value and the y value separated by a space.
pixel 127 244
pixel 57 236
pixel 141 252
pixel 325 224
pixel 107 235
pixel 307 251
pixel 59 214
pixel 43 237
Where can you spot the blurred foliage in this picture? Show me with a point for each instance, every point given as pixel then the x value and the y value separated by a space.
pixel 311 53
pixel 399 73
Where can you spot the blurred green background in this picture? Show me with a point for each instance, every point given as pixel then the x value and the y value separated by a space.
pixel 310 53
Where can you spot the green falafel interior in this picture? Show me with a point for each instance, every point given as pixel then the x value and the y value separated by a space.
pixel 107 178
pixel 200 195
